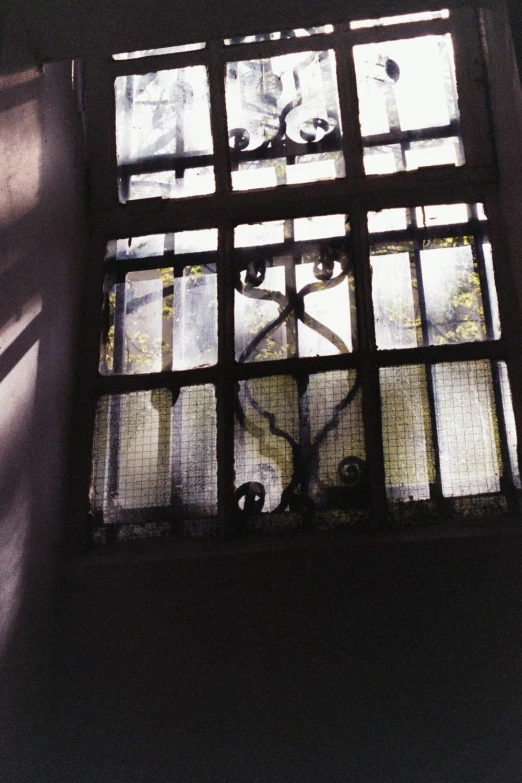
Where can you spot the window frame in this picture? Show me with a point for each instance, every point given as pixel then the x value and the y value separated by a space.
pixel 356 195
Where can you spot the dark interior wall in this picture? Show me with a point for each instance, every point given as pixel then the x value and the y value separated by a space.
pixel 348 663
pixel 42 246
pixel 50 29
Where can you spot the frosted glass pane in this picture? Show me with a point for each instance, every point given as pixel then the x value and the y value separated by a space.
pixel 511 428
pixel 299 32
pixel 262 453
pixel 404 87
pixel 155 455
pixel 467 428
pixel 140 53
pixel 163 136
pixel 406 433
pixel 297 299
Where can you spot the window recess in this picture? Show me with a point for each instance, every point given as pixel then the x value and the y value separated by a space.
pixel 299 320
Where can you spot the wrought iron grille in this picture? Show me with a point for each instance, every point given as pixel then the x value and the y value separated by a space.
pixel 300 320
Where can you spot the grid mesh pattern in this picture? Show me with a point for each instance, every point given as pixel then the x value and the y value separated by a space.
pixel 132 452
pixel 267 433
pixel 300 448
pixel 155 461
pixel 194 450
pixel 406 433
pixel 337 449
pixel 467 428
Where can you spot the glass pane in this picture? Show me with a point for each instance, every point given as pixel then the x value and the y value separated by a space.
pixel 467 428
pixel 264 450
pixel 432 276
pixel 296 297
pixel 163 136
pixel 300 32
pixel 157 245
pixel 283 120
pixel 154 458
pixel 138 54
pixel 393 306
pixel 451 284
pixel 299 448
pixel 384 21
pixel 408 104
pixel 408 456
pixel 337 474
pixel 160 319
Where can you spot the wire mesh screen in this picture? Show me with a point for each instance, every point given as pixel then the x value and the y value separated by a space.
pixel 467 426
pixel 154 466
pixel 299 451
pixel 408 454
pixel 449 440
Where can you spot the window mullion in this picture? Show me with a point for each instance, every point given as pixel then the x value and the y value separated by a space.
pixel 369 366
pixel 347 86
pixel 226 381
pixel 218 117
pixel 470 73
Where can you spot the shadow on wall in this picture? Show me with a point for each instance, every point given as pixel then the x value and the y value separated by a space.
pixel 42 242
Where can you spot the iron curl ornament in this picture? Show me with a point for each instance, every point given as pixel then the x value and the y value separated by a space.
pixel 282 101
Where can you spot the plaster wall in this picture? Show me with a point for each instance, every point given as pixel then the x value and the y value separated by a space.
pixel 42 245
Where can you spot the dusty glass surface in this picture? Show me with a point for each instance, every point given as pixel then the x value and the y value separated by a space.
pixel 393 305
pixel 408 107
pixel 283 120
pixel 163 136
pixel 295 291
pixel 511 427
pixel 155 456
pixel 408 456
pixel 169 322
pixel 299 447
pixel 467 428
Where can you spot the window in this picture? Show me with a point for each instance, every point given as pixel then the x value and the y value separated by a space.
pixel 301 284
